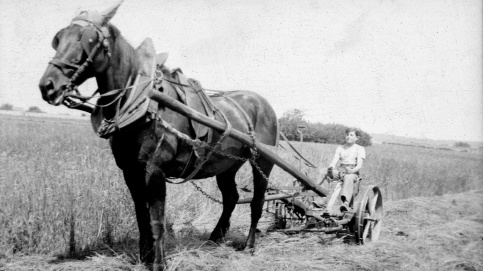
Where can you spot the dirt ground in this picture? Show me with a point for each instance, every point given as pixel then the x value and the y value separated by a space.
pixel 431 233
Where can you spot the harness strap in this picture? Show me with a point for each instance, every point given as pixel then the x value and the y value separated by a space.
pixel 225 134
pixel 78 68
pixel 207 104
pixel 86 63
pixel 61 64
pixel 306 162
pixel 204 98
pixel 228 129
pixel 245 114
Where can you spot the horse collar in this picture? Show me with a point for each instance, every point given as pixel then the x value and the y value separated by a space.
pixel 133 110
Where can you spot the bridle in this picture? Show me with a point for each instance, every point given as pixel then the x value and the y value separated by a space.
pixel 71 91
pixel 88 30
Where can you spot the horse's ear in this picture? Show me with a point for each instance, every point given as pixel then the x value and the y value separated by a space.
pixel 108 13
pixel 78 12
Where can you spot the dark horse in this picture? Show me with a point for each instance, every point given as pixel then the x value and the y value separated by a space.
pixel 150 153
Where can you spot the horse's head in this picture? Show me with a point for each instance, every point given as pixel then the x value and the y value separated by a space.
pixel 82 51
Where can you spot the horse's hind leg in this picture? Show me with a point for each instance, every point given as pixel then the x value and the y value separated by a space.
pixel 226 184
pixel 260 183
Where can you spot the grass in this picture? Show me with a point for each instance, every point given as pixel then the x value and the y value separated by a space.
pixel 425 233
pixel 60 189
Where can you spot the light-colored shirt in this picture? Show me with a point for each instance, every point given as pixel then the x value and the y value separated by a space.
pixel 349 155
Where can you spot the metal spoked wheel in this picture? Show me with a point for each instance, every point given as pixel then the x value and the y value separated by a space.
pixel 369 215
pixel 280 217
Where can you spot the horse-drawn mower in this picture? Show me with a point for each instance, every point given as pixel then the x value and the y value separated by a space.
pixel 293 211
pixel 296 214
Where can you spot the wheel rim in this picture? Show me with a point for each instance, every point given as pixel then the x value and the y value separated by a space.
pixel 368 217
pixel 280 215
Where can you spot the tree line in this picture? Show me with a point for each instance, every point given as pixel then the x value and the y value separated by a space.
pixel 331 133
pixel 31 109
pixel 315 132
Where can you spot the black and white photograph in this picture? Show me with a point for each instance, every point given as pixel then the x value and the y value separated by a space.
pixel 241 135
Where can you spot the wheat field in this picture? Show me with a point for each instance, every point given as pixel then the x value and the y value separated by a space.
pixel 61 190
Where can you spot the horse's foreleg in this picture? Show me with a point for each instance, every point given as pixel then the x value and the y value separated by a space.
pixel 134 177
pixel 226 184
pixel 259 187
pixel 156 192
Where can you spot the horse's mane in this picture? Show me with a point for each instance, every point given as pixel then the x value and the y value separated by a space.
pixel 124 57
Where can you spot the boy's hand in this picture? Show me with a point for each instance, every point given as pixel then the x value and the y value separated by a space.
pixel 329 173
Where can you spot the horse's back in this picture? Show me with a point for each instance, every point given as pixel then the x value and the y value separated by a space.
pixel 256 108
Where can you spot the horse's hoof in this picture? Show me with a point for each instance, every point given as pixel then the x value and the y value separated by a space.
pixel 158 267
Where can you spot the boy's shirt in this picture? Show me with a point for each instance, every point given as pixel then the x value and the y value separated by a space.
pixel 348 156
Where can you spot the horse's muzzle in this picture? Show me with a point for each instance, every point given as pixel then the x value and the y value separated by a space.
pixel 49 93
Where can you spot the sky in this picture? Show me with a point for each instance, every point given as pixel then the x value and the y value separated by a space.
pixel 402 67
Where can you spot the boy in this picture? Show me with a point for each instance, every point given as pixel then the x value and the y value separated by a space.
pixel 351 157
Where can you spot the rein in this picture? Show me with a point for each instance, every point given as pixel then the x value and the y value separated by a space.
pixel 80 68
pixel 73 92
pixel 184 85
pixel 85 99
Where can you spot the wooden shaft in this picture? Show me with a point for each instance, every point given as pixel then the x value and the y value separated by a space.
pixel 267 198
pixel 237 135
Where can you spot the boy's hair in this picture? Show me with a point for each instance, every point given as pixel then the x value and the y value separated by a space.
pixel 352 129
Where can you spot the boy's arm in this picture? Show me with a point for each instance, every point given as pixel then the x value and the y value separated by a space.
pixel 358 167
pixel 335 159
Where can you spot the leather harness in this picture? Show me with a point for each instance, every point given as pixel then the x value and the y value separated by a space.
pixel 138 107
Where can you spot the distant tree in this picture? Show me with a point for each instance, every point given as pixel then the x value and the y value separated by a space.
pixel 289 121
pixel 461 144
pixel 365 139
pixel 35 109
pixel 331 133
pixel 7 107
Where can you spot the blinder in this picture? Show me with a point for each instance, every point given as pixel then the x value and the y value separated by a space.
pixel 88 39
pixel 67 69
pixel 92 37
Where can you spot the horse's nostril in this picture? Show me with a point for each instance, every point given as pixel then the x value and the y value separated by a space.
pixel 47 86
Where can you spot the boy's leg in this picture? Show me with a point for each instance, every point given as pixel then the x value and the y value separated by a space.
pixel 333 198
pixel 348 189
pixel 334 177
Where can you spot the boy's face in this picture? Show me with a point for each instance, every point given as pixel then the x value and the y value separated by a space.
pixel 351 137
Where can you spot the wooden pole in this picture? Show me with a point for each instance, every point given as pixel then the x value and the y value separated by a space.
pixel 237 135
pixel 267 198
